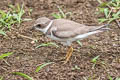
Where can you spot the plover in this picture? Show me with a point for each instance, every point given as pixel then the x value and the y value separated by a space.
pixel 66 31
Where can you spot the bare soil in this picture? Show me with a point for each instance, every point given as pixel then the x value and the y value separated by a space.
pixel 26 57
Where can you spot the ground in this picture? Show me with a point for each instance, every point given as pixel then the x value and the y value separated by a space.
pixel 26 57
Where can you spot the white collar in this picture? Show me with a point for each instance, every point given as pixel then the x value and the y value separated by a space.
pixel 48 26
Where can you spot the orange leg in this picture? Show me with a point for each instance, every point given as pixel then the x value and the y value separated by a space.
pixel 69 54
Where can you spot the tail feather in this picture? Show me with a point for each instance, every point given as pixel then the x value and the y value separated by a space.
pixel 94 31
pixel 101 28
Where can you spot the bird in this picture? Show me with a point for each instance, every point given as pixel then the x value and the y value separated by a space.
pixel 66 31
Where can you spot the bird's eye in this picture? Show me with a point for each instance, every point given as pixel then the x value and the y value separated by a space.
pixel 39 25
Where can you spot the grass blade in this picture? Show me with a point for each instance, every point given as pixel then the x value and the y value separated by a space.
pixel 5 55
pixel 95 59
pixel 20 14
pixel 117 79
pixel 56 16
pixel 101 20
pixel 110 78
pixel 1 78
pixel 43 65
pixel 2 32
pixel 62 13
pixel 23 75
pixel 79 42
pixel 116 15
pixel 106 11
pixel 104 4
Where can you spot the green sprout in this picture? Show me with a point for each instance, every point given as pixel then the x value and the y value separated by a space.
pixel 2 32
pixel 94 61
pixel 2 56
pixel 111 11
pixel 43 65
pixel 23 75
pixel 11 17
pixel 1 78
pixel 18 12
pixel 110 78
pixel 30 11
pixel 60 14
pixel 118 78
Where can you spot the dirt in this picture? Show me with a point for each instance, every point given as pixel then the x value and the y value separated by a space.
pixel 27 58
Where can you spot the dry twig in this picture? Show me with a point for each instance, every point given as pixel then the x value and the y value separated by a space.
pixel 27 37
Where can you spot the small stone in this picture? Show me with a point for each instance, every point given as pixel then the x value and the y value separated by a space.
pixel 32 42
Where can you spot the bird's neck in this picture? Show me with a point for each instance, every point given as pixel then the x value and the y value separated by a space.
pixel 45 30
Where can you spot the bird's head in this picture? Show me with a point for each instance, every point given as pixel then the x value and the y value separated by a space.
pixel 41 23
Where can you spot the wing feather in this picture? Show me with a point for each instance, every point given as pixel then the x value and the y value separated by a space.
pixel 68 29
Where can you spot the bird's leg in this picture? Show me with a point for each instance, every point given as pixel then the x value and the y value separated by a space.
pixel 68 55
pixel 68 52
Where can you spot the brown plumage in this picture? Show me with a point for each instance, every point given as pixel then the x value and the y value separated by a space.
pixel 66 31
pixel 66 28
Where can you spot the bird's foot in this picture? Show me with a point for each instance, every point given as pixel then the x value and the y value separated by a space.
pixel 68 55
